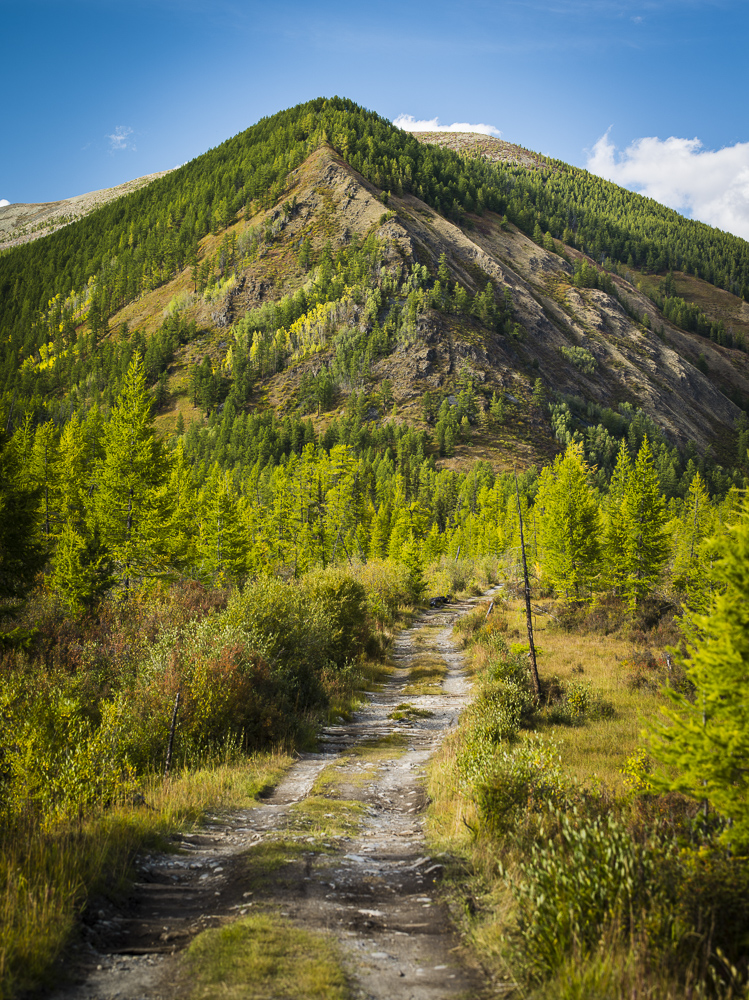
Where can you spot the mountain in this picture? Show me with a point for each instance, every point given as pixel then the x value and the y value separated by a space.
pixel 324 254
pixel 23 223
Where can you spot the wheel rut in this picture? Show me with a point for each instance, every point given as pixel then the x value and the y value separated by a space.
pixel 360 872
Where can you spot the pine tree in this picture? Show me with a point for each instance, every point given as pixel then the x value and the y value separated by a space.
pixel 131 504
pixel 706 737
pixel 644 520
pixel 570 523
pixel 614 533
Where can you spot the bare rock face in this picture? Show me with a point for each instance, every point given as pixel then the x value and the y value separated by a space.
pixel 224 315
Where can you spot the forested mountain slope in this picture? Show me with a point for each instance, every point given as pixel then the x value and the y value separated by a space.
pixel 607 348
pixel 402 273
pixel 21 222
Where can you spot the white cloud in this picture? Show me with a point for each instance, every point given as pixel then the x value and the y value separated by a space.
pixel 710 185
pixel 120 138
pixel 4 202
pixel 411 124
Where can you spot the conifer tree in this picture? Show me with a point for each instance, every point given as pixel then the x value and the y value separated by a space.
pixel 614 534
pixel 40 471
pixel 689 532
pixel 81 569
pixel 706 737
pixel 223 543
pixel 644 520
pixel 183 496
pixel 131 503
pixel 21 551
pixel 569 524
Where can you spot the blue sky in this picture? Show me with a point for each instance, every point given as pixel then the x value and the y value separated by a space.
pixel 100 91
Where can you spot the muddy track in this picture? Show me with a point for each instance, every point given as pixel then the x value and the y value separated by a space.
pixel 361 872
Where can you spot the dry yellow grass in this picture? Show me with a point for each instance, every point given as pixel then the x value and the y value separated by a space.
pixel 595 751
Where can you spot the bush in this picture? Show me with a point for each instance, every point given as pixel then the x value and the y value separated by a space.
pixel 342 602
pixel 585 872
pixel 518 779
pixel 386 585
pixel 576 702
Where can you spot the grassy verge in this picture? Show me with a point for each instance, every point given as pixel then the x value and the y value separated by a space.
pixel 349 693
pixel 569 876
pixel 265 956
pixel 48 873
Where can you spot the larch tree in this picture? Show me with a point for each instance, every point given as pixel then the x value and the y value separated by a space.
pixel 21 550
pixel 224 545
pixel 132 505
pixel 644 516
pixel 614 531
pixel 704 738
pixel 697 522
pixel 570 523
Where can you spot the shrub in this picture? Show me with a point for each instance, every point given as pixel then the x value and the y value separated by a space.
pixel 386 585
pixel 580 358
pixel 341 601
pixel 576 702
pixel 518 779
pixel 585 873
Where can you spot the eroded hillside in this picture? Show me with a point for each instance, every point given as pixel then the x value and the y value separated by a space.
pixel 608 348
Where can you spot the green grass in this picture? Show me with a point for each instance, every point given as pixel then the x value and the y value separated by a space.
pixel 48 873
pixel 264 859
pixel 592 754
pixel 407 712
pixel 426 675
pixel 346 700
pixel 327 818
pixel 263 957
pixel 343 774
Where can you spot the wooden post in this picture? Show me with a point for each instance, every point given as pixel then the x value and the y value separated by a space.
pixel 528 616
pixel 173 726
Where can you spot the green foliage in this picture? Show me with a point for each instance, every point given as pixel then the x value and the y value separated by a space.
pixel 513 782
pixel 636 541
pixel 21 551
pixel 569 523
pixel 130 503
pixel 342 601
pixel 580 358
pixel 643 516
pixel 706 737
pixel 577 704
pixel 584 872
pixel 57 293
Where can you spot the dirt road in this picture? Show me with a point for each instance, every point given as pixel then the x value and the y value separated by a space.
pixel 337 848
